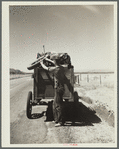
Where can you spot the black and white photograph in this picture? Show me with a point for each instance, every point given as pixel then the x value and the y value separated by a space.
pixel 59 74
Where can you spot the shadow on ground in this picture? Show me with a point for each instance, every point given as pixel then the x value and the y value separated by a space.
pixel 76 114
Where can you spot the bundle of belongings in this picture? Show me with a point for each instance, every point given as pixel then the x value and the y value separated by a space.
pixel 64 58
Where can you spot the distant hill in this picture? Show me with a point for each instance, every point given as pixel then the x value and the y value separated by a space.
pixel 17 71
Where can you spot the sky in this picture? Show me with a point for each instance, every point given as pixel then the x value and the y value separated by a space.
pixel 85 32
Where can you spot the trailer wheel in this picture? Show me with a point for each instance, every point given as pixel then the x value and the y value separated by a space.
pixel 29 105
pixel 76 97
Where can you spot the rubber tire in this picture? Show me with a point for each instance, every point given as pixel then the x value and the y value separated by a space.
pixel 76 97
pixel 29 105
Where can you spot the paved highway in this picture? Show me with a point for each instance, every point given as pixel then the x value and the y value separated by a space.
pixel 37 131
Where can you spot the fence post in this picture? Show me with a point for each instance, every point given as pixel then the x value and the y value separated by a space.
pixel 75 79
pixel 87 78
pixel 100 80
pixel 80 76
pixel 78 79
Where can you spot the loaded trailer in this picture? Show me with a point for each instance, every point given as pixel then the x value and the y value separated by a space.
pixel 43 88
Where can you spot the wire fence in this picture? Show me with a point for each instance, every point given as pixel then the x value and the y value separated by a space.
pixel 100 79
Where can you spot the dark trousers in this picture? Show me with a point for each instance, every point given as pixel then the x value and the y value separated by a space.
pixel 58 106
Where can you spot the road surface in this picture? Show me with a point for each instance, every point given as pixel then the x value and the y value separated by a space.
pixel 37 131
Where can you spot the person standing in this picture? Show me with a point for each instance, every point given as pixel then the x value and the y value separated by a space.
pixel 58 107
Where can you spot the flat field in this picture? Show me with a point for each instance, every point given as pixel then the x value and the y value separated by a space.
pixel 16 76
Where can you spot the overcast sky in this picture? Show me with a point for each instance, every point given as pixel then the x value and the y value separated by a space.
pixel 85 32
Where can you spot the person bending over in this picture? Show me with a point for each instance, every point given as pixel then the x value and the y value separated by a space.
pixel 58 108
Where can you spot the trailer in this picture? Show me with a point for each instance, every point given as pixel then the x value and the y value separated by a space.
pixel 43 87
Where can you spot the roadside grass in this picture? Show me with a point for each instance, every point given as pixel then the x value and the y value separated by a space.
pixel 96 93
pixel 95 85
pixel 100 97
